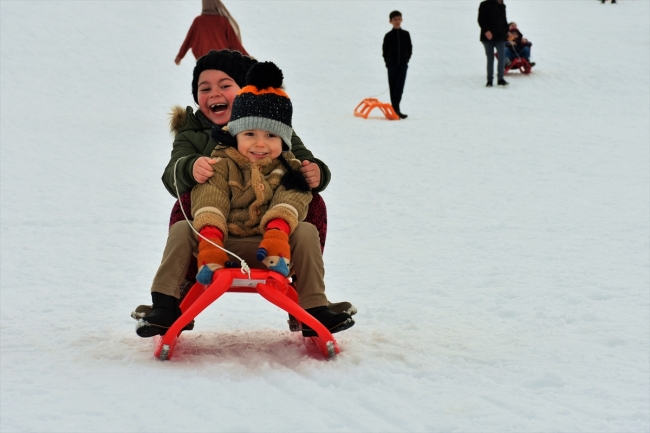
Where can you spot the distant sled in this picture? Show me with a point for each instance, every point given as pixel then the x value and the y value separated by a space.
pixel 519 63
pixel 272 286
pixel 367 105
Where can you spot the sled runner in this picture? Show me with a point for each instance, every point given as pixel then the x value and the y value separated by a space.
pixel 271 285
pixel 520 63
pixel 367 105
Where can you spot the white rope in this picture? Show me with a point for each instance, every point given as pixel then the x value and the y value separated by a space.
pixel 245 269
pixel 374 96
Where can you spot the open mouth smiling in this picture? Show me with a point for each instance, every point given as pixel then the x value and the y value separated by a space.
pixel 218 108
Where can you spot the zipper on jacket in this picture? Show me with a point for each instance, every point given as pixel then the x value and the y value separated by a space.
pixel 398 49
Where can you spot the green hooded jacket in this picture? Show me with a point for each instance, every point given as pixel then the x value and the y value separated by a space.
pixel 192 141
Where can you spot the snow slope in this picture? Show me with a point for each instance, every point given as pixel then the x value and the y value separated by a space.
pixel 497 242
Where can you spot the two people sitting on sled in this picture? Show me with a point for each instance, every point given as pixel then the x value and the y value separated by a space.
pixel 217 79
pixel 257 199
pixel 517 46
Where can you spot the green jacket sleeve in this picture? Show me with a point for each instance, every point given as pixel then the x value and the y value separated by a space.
pixel 184 154
pixel 303 154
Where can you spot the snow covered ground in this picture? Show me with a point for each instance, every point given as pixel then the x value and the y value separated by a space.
pixel 497 242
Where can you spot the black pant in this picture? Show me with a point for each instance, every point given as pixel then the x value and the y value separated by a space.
pixel 396 79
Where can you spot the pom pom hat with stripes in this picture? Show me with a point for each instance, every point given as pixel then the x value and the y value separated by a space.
pixel 262 104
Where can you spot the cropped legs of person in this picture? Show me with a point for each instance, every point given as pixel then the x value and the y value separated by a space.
pixel 512 54
pixel 307 263
pixel 165 289
pixel 499 46
pixel 306 259
pixel 182 244
pixel 396 80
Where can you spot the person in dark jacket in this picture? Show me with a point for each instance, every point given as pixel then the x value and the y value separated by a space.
pixel 494 33
pixel 397 50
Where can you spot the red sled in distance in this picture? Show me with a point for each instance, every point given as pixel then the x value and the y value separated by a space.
pixel 519 63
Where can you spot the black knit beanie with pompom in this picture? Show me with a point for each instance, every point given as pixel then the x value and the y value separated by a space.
pixel 233 63
pixel 263 104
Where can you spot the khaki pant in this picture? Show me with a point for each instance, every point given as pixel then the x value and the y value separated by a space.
pixel 306 261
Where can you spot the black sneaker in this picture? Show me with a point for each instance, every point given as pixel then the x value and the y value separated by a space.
pixel 164 313
pixel 342 307
pixel 402 115
pixel 532 64
pixel 489 84
pixel 144 310
pixel 337 307
pixel 334 322
pixel 503 83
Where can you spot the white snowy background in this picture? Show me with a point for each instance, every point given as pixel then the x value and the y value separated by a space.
pixel 496 242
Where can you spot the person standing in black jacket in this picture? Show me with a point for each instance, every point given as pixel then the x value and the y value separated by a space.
pixel 397 51
pixel 494 33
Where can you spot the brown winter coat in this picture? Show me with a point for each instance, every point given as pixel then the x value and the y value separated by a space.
pixel 242 197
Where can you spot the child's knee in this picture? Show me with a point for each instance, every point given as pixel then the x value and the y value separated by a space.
pixel 305 237
pixel 181 241
pixel 305 231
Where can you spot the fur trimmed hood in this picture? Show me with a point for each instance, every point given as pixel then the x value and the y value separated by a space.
pixel 185 119
pixel 177 118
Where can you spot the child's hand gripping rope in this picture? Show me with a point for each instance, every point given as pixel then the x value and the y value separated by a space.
pixel 210 257
pixel 274 249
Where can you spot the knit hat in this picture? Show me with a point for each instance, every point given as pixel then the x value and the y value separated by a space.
pixel 233 63
pixel 262 104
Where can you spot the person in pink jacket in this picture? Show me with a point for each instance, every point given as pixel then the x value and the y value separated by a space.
pixel 214 29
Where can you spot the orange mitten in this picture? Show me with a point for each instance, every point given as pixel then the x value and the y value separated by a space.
pixel 210 257
pixel 274 249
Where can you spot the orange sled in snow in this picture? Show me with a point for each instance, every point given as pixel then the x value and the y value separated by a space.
pixel 271 285
pixel 367 105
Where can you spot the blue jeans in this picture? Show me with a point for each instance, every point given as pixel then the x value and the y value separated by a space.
pixel 512 54
pixel 490 46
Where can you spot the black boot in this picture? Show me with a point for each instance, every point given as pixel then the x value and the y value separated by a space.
pixel 334 322
pixel 502 82
pixel 336 307
pixel 489 84
pixel 163 315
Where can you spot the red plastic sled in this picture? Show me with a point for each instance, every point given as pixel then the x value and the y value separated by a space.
pixel 367 105
pixel 271 285
pixel 519 63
